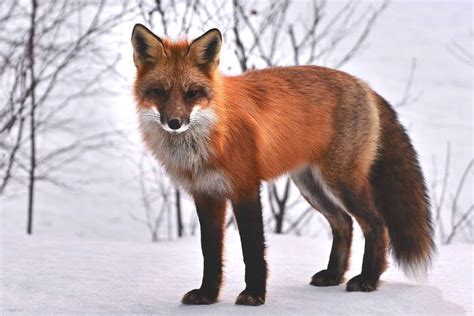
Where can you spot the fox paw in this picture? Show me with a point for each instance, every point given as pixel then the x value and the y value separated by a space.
pixel 248 299
pixel 325 278
pixel 198 297
pixel 361 284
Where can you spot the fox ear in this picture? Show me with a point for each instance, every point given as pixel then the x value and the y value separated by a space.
pixel 205 49
pixel 147 47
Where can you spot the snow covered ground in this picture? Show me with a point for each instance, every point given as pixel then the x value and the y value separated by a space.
pixel 64 275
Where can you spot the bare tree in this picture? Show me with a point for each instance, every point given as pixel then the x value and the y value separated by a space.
pixel 312 35
pixel 280 205
pixel 31 70
pixel 458 219
pixel 156 198
pixel 51 56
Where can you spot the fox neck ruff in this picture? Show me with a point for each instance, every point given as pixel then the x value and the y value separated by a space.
pixel 185 156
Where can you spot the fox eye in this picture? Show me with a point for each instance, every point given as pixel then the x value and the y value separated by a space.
pixel 192 93
pixel 157 92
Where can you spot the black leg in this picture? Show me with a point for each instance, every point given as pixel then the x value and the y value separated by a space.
pixel 341 227
pixel 248 214
pixel 374 263
pixel 211 213
pixel 317 195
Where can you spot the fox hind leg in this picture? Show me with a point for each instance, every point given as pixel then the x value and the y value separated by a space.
pixel 362 206
pixel 313 188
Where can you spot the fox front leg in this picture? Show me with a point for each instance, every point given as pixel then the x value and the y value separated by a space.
pixel 248 214
pixel 211 213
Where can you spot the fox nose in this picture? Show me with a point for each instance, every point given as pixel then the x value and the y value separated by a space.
pixel 174 123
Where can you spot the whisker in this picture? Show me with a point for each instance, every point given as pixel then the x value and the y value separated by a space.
pixel 152 116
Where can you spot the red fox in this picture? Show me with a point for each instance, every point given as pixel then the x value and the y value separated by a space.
pixel 342 144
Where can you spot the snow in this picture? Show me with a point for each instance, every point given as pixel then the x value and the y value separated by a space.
pixel 70 275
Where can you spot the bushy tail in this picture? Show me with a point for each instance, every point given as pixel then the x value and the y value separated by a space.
pixel 401 197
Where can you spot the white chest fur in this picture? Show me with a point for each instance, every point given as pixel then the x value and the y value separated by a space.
pixel 188 151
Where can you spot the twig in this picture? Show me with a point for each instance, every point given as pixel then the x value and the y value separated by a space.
pixel 458 224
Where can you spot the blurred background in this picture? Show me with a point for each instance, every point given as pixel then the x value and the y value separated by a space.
pixel 71 160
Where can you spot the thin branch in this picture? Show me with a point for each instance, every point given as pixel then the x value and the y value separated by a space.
pixel 458 224
pixel 459 190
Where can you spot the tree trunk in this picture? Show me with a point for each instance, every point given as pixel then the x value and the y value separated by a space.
pixel 179 218
pixel 31 66
pixel 280 218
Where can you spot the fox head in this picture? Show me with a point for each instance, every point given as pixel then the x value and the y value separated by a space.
pixel 174 81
